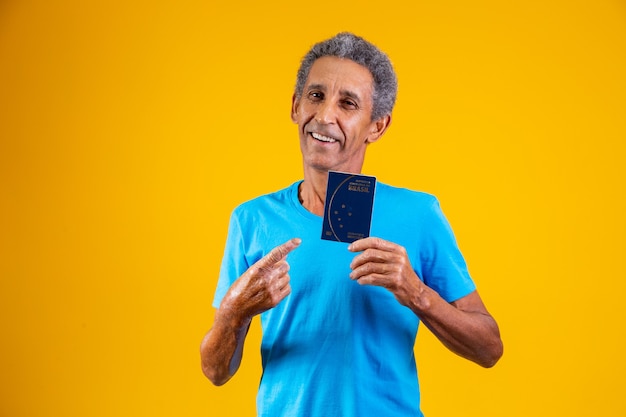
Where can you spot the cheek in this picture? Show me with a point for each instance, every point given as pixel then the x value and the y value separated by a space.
pixel 355 132
pixel 302 117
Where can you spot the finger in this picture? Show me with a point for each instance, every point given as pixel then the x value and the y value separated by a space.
pixel 278 253
pixel 277 271
pixel 283 284
pixel 369 255
pixel 260 275
pixel 373 279
pixel 371 268
pixel 371 243
pixel 281 289
pixel 281 294
pixel 285 291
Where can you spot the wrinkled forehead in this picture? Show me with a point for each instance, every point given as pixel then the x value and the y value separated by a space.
pixel 340 75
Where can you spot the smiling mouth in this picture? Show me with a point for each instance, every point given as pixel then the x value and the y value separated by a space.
pixel 323 138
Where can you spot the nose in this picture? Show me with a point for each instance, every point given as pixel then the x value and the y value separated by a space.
pixel 325 112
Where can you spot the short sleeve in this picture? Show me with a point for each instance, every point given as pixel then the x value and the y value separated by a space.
pixel 444 267
pixel 234 262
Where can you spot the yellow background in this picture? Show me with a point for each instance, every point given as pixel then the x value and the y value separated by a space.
pixel 130 129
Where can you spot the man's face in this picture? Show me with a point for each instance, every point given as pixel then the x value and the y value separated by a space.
pixel 334 115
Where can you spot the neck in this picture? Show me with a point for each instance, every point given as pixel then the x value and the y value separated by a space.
pixel 312 191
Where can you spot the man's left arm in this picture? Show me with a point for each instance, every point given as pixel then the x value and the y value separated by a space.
pixel 464 326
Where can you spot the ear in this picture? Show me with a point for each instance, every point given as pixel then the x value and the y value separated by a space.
pixel 294 108
pixel 379 127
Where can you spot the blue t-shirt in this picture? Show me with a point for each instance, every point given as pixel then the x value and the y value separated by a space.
pixel 334 347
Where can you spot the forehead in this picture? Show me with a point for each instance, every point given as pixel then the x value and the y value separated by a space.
pixel 341 74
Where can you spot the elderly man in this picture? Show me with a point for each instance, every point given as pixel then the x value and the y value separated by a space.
pixel 339 321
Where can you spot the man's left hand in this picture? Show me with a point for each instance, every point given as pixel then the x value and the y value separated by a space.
pixel 385 264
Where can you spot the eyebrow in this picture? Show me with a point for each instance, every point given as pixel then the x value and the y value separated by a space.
pixel 346 93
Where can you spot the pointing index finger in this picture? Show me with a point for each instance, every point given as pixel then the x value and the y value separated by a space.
pixel 279 252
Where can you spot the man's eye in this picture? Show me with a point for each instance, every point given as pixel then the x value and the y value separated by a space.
pixel 349 103
pixel 316 95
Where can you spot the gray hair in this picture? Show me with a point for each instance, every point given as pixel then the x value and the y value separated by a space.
pixel 349 46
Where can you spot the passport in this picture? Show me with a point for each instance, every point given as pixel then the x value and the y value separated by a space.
pixel 348 206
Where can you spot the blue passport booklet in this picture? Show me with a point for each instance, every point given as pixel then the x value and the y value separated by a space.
pixel 348 206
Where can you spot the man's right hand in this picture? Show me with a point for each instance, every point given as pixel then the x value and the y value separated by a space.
pixel 262 286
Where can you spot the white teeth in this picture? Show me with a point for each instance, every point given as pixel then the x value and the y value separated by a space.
pixel 323 138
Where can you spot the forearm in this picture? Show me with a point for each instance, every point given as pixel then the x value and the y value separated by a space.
pixel 464 327
pixel 222 347
pixel 260 288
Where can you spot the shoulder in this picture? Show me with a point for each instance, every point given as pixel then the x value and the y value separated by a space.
pixel 269 200
pixel 398 198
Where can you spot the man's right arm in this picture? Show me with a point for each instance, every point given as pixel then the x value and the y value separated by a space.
pixel 260 288
pixel 222 347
